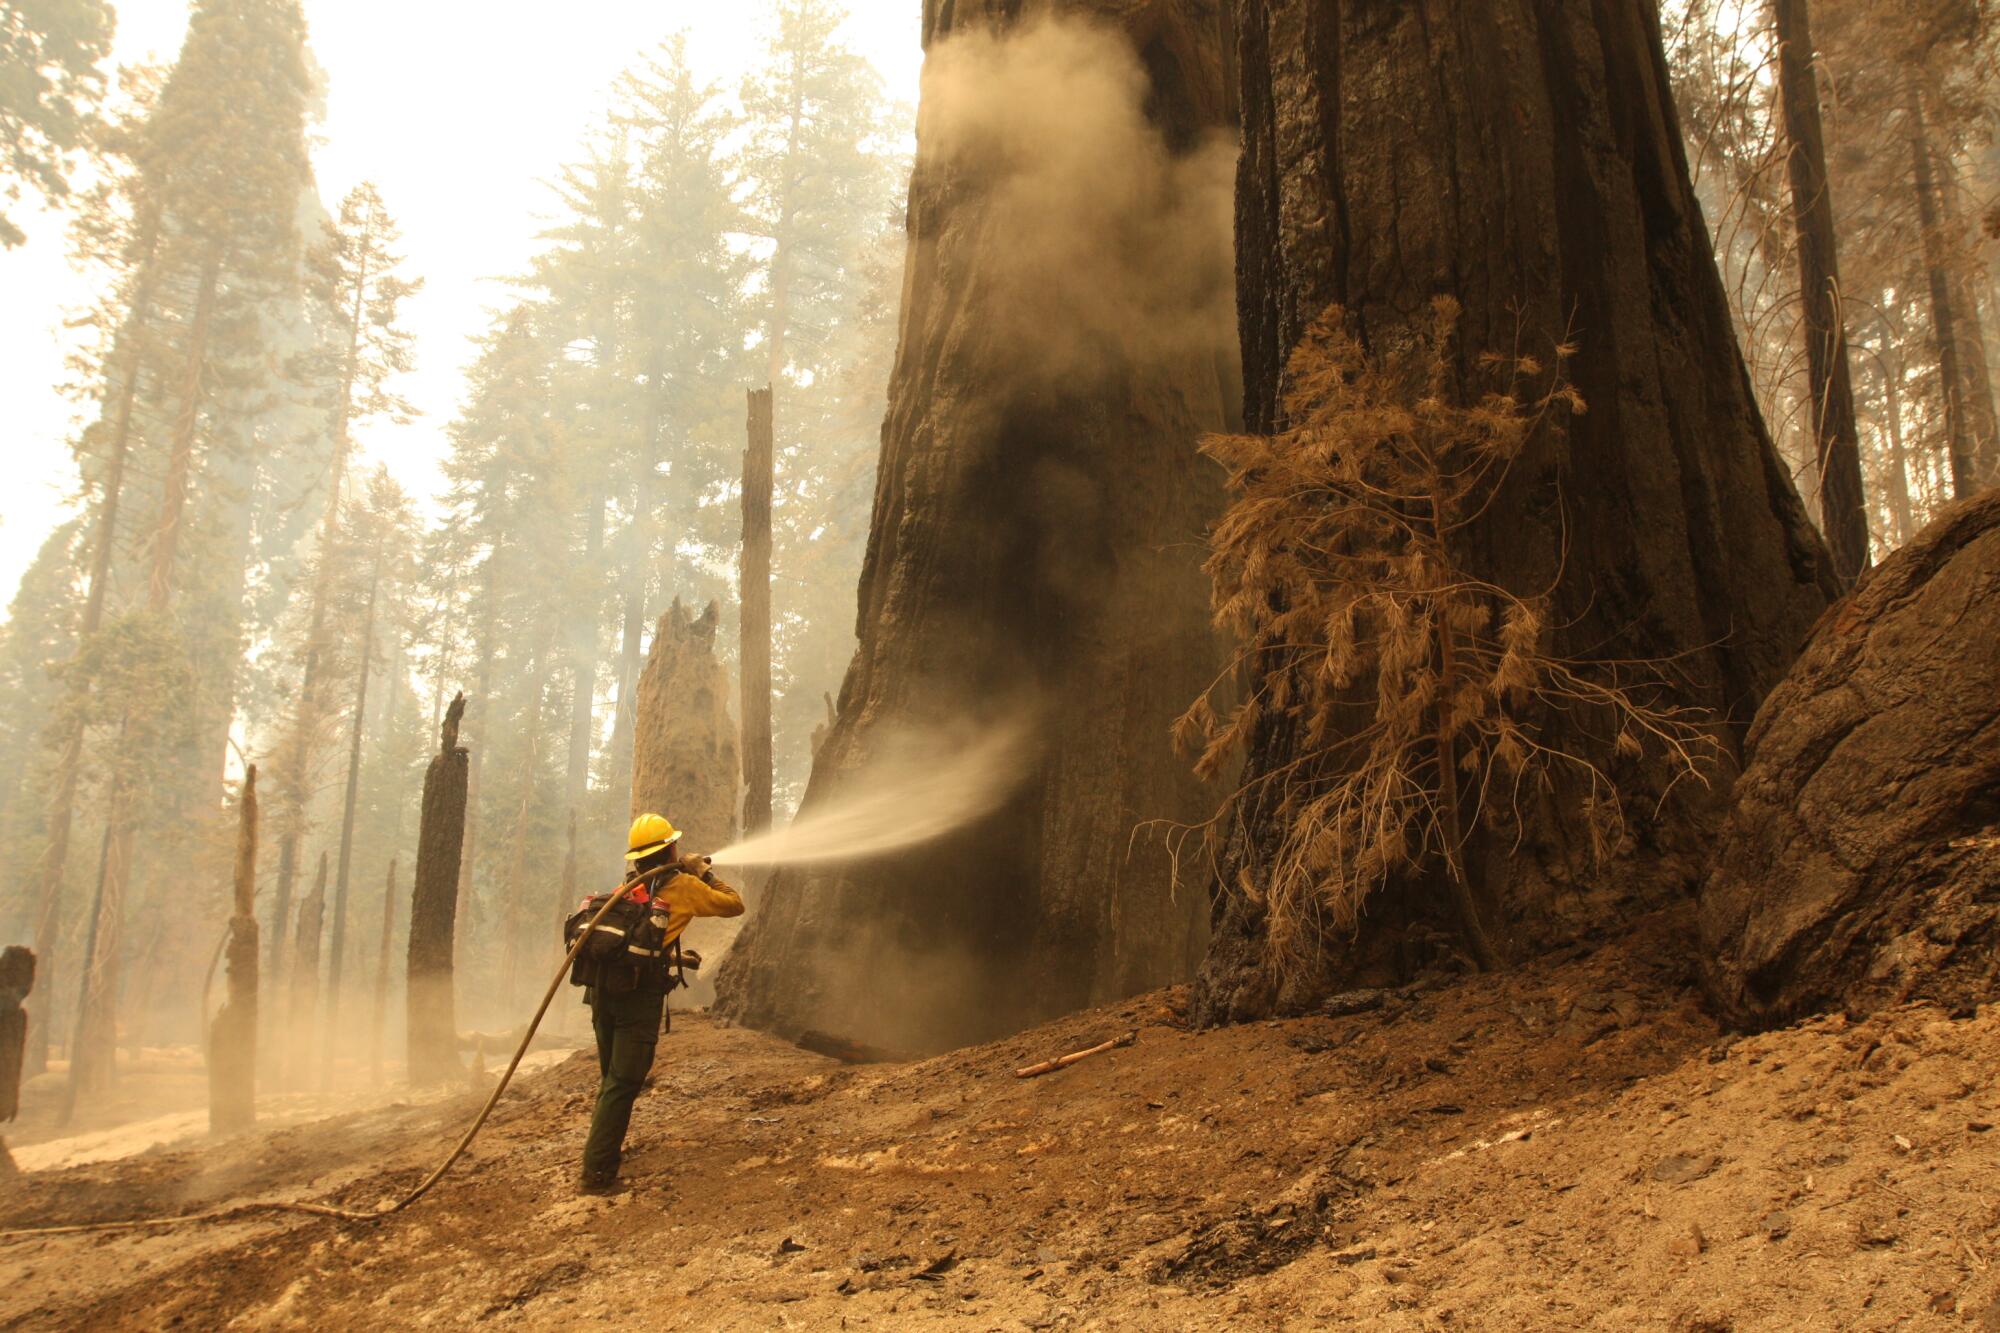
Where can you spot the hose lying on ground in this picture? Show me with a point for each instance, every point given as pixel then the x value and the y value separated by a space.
pixel 236 1212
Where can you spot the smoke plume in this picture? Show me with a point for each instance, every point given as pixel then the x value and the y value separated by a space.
pixel 1103 235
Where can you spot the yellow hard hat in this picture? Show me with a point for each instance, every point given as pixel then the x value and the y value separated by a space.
pixel 650 833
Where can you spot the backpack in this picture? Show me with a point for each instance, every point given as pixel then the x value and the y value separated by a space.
pixel 627 950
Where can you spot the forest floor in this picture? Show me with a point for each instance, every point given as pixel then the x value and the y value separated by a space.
pixel 1570 1147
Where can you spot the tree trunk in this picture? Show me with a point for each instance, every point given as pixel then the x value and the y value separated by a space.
pixel 1033 564
pixel 625 722
pixel 17 980
pixel 566 902
pixel 583 660
pixel 337 950
pixel 296 1059
pixel 1962 442
pixel 483 683
pixel 432 1019
pixel 1897 465
pixel 232 1047
pixel 380 1012
pixel 515 908
pixel 1836 443
pixel 51 870
pixel 1522 156
pixel 685 761
pixel 1962 234
pixel 92 1057
pixel 754 601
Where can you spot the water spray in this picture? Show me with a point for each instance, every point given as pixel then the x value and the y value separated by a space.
pixel 920 793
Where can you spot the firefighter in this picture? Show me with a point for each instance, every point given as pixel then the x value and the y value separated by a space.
pixel 628 1008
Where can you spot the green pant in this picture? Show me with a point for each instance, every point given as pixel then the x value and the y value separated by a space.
pixel 628 1028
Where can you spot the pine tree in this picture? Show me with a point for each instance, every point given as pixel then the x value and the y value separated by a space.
pixel 223 160
pixel 356 284
pixel 378 550
pixel 50 86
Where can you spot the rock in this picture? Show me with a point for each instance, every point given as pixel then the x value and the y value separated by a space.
pixel 1855 869
pixel 1776 1225
pixel 1683 1170
pixel 1350 1002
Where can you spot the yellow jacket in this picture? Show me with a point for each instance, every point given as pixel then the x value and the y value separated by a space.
pixel 685 897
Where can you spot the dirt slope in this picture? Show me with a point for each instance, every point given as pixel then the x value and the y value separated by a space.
pixel 1571 1148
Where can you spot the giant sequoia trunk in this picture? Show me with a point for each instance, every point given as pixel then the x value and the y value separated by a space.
pixel 1861 864
pixel 1035 551
pixel 1523 157
pixel 427 990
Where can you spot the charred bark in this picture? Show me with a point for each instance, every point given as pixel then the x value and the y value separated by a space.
pixel 232 1047
pixel 432 1018
pixel 1861 864
pixel 17 979
pixel 1034 561
pixel 1524 158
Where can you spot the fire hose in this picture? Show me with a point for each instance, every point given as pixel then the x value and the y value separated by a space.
pixel 236 1212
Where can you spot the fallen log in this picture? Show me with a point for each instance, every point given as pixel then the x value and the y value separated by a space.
pixel 846 1050
pixel 1064 1062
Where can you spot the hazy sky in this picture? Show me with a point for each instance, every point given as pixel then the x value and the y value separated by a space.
pixel 458 109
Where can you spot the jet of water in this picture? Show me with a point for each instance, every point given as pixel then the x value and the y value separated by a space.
pixel 922 791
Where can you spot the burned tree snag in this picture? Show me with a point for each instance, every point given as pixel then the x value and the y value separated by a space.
pixel 1836 445
pixel 1662 518
pixel 684 755
pixel 17 979
pixel 754 596
pixel 232 1047
pixel 432 1017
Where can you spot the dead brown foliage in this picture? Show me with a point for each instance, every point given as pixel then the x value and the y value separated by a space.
pixel 1422 690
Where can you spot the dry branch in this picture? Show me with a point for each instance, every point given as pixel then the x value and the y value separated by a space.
pixel 1064 1062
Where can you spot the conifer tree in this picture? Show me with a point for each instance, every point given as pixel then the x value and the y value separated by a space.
pixel 50 85
pixel 817 182
pixel 355 282
pixel 224 162
pixel 377 551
